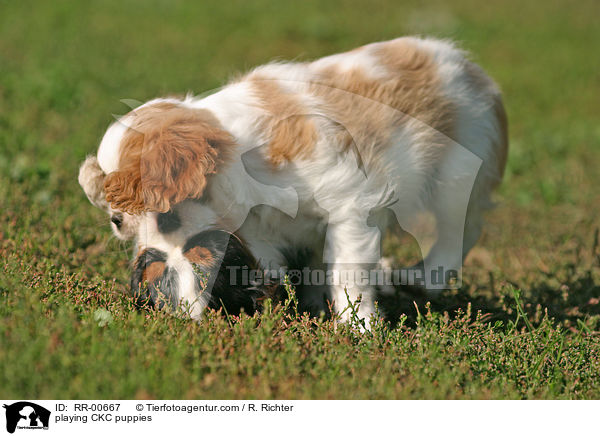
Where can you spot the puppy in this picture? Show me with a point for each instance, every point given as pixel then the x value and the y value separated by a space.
pixel 155 283
pixel 298 156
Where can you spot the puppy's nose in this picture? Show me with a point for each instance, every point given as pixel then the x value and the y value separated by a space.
pixel 117 220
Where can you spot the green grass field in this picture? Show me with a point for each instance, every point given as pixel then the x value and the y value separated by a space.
pixel 526 323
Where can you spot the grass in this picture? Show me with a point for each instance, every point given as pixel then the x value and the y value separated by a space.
pixel 526 323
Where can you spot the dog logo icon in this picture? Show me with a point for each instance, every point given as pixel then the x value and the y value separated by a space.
pixel 26 415
pixel 295 277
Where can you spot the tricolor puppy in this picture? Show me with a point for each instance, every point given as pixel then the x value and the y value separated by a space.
pixel 156 283
pixel 409 124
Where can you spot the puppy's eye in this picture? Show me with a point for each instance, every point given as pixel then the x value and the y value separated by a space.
pixel 168 222
pixel 117 220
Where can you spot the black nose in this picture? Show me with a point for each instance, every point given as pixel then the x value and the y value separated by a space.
pixel 117 220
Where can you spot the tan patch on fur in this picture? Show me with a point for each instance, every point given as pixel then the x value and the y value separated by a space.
pixel 166 157
pixel 153 272
pixel 412 89
pixel 200 255
pixel 291 133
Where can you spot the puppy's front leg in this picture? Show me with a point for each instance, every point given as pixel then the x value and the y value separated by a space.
pixel 351 250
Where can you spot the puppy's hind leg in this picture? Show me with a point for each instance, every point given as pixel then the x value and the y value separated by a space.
pixel 459 198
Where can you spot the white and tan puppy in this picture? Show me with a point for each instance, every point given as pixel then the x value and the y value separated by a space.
pixel 408 124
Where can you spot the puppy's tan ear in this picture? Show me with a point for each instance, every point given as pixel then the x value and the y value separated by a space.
pixel 166 158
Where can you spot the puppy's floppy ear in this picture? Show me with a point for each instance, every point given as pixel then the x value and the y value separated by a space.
pixel 166 158
pixel 91 179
